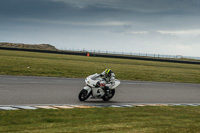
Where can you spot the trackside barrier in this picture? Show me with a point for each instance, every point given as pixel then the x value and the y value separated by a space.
pixel 105 55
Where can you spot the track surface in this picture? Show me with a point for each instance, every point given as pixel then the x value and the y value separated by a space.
pixel 25 90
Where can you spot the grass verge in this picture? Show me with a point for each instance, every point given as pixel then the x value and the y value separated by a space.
pixel 57 65
pixel 110 120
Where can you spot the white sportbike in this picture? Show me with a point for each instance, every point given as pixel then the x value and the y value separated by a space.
pixel 95 88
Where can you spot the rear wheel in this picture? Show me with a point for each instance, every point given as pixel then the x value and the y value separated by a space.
pixel 83 95
pixel 107 98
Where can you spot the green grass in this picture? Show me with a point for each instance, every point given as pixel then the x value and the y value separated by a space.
pixel 57 65
pixel 127 120
pixel 169 119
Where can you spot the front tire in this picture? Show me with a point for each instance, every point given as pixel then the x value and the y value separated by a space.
pixel 107 98
pixel 83 95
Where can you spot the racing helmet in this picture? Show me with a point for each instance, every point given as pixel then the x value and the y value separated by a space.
pixel 108 72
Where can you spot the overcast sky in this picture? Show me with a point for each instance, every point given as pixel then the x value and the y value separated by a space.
pixel 169 27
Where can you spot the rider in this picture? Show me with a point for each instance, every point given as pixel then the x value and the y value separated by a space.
pixel 109 77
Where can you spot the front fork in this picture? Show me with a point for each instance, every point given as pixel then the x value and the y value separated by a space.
pixel 88 89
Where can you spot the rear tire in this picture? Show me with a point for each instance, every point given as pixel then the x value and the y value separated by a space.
pixel 107 98
pixel 83 95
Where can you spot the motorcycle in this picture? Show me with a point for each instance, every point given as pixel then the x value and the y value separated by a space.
pixel 95 88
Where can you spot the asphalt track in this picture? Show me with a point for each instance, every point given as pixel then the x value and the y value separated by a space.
pixel 26 90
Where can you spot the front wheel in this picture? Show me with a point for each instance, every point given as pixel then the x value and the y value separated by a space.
pixel 83 95
pixel 107 98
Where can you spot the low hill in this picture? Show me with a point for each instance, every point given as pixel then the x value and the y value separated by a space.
pixel 28 46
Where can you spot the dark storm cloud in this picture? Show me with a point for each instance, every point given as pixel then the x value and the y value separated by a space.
pixel 33 8
pixel 145 6
pixel 95 9
pixel 46 9
pixel 132 13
